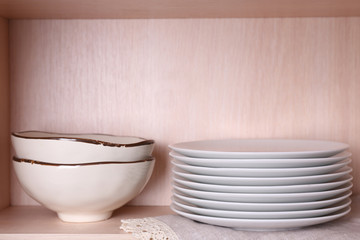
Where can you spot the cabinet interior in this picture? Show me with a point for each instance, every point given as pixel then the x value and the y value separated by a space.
pixel 184 79
pixel 178 78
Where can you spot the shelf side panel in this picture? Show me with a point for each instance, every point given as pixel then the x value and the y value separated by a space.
pixel 4 115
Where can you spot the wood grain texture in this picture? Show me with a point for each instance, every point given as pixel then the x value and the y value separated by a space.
pixel 4 115
pixel 80 9
pixel 176 80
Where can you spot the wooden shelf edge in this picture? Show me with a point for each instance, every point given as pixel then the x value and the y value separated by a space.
pixel 36 222
pixel 127 9
pixel 66 236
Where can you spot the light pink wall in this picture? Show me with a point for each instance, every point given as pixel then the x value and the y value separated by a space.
pixel 177 80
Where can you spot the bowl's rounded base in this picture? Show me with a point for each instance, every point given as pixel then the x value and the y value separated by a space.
pixel 83 217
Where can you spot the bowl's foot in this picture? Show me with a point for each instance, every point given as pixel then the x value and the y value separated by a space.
pixel 83 217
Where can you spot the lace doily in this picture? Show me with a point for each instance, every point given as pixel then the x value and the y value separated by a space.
pixel 148 229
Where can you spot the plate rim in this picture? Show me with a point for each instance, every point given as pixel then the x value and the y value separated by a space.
pixel 329 209
pixel 271 223
pixel 269 180
pixel 269 197
pixel 259 171
pixel 272 206
pixel 340 146
pixel 348 178
pixel 230 162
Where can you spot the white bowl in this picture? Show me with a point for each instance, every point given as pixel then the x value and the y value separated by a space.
pixel 83 192
pixel 79 148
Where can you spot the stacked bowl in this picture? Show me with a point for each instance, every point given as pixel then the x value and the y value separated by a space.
pixel 82 177
pixel 261 184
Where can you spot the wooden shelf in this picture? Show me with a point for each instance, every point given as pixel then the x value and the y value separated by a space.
pixel 38 223
pixel 84 9
pixel 33 222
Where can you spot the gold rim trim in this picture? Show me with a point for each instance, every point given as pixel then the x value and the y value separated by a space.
pixel 86 140
pixel 16 159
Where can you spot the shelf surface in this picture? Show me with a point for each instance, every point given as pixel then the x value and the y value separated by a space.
pixel 36 222
pixel 84 9
pixel 39 223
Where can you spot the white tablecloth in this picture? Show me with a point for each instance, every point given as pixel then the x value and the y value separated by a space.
pixel 173 227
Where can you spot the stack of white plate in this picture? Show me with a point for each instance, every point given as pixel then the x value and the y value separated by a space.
pixel 261 184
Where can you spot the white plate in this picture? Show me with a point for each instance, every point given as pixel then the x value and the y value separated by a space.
pixel 242 206
pixel 264 189
pixel 261 224
pixel 259 148
pixel 261 163
pixel 262 215
pixel 264 197
pixel 261 172
pixel 264 181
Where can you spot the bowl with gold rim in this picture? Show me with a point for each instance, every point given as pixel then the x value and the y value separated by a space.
pixel 63 148
pixel 83 192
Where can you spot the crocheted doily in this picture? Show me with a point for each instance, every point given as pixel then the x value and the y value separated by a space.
pixel 148 228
